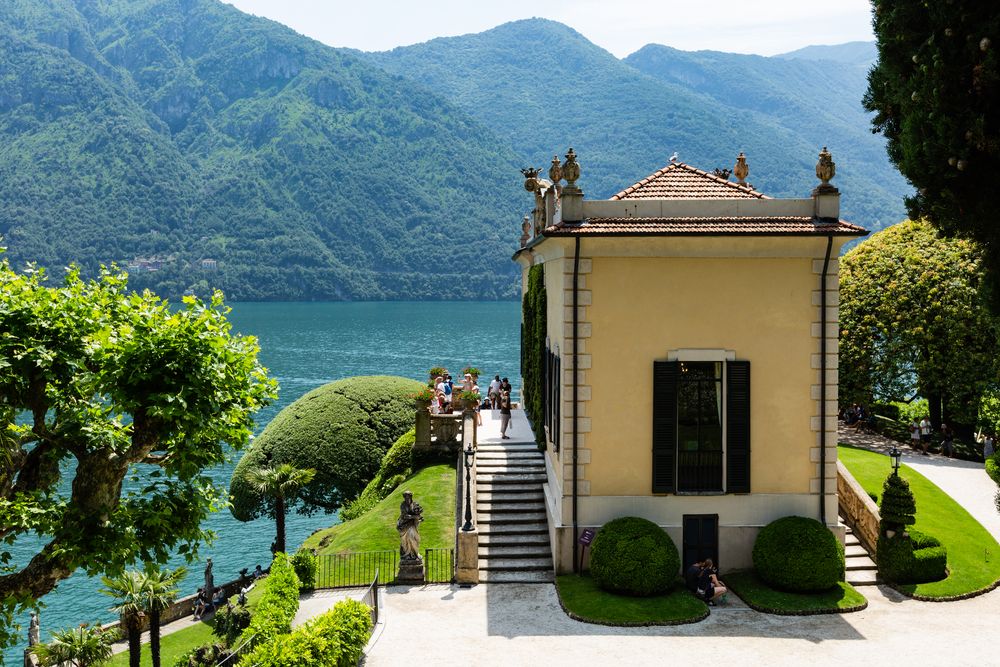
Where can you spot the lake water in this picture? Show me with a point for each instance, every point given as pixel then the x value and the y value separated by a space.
pixel 305 345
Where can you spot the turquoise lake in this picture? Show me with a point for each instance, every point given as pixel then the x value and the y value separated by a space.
pixel 305 345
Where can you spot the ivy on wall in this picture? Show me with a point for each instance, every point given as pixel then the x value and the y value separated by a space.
pixel 533 329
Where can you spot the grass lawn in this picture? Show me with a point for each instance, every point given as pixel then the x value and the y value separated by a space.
pixel 433 488
pixel 581 596
pixel 762 597
pixel 176 644
pixel 973 554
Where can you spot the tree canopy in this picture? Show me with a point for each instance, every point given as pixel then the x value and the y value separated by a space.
pixel 97 383
pixel 914 321
pixel 935 92
pixel 341 430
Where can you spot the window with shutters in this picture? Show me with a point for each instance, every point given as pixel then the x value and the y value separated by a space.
pixel 701 426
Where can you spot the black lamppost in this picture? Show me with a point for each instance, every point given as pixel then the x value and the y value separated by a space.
pixel 469 455
pixel 894 456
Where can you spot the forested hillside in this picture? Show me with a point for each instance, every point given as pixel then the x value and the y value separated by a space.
pixel 543 86
pixel 177 131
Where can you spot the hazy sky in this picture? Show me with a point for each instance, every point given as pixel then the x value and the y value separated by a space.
pixel 765 27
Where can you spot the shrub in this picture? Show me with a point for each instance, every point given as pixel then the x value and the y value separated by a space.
pixel 305 564
pixel 341 429
pixel 888 410
pixel 277 606
pixel 993 468
pixel 798 554
pixel 914 410
pixel 911 559
pixel 206 655
pixel 898 507
pixel 230 622
pixel 337 637
pixel 395 467
pixel 634 556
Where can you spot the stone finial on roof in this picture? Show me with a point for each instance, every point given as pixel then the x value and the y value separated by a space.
pixel 826 168
pixel 525 230
pixel 530 178
pixel 674 158
pixel 741 169
pixel 555 171
pixel 571 169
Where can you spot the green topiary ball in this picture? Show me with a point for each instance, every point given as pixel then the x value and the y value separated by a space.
pixel 634 556
pixel 798 554
pixel 341 429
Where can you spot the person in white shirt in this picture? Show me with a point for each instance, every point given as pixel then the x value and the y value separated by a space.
pixel 494 392
pixel 925 434
pixel 915 434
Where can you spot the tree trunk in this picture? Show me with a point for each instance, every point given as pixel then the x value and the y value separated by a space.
pixel 134 631
pixel 154 635
pixel 279 518
pixel 934 404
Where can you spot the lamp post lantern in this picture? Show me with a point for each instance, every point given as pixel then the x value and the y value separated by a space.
pixel 469 456
pixel 894 456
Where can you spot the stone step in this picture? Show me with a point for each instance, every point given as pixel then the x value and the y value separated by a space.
pixel 510 517
pixel 513 508
pixel 508 447
pixel 493 551
pixel 854 550
pixel 493 497
pixel 495 540
pixel 533 529
pixel 863 578
pixel 489 487
pixel 508 454
pixel 509 465
pixel 511 564
pixel 509 478
pixel 516 577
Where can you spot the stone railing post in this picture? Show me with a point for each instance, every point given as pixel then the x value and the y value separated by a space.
pixel 467 541
pixel 858 508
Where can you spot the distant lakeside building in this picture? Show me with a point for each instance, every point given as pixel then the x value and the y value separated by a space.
pixel 690 373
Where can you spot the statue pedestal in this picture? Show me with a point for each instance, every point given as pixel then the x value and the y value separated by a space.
pixel 411 571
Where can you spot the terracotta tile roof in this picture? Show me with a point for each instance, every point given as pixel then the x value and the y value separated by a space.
pixel 781 225
pixel 682 181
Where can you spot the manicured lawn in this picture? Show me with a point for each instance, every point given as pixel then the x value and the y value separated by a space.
pixel 583 598
pixel 176 644
pixel 762 597
pixel 433 488
pixel 973 554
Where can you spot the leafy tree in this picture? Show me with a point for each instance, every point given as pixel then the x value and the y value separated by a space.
pixel 936 96
pixel 281 483
pixel 159 590
pixel 93 382
pixel 341 429
pixel 127 589
pixel 81 646
pixel 914 321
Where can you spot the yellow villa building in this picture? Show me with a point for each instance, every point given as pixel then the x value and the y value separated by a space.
pixel 690 355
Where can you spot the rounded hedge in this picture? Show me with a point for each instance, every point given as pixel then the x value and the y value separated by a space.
pixel 341 429
pixel 798 554
pixel 913 558
pixel 634 556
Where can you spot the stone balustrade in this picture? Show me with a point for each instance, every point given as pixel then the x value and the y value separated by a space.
pixel 859 510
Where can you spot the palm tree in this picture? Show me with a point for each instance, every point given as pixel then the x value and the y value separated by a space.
pixel 159 590
pixel 127 589
pixel 281 482
pixel 81 647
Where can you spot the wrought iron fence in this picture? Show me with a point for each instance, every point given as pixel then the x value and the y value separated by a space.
pixel 370 598
pixel 233 657
pixel 357 568
pixel 439 566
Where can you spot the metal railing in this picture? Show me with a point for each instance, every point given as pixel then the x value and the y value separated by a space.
pixel 232 658
pixel 357 568
pixel 370 598
pixel 439 566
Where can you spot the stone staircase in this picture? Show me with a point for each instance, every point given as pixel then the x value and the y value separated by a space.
pixel 861 569
pixel 513 532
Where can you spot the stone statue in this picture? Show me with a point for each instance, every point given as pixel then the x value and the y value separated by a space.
pixel 826 168
pixel 33 630
pixel 571 170
pixel 555 171
pixel 525 231
pixel 741 168
pixel 408 525
pixel 209 579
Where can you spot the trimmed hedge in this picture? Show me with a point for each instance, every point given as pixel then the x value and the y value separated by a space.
pixel 898 507
pixel 798 554
pixel 534 329
pixel 341 429
pixel 337 637
pixel 993 468
pixel 915 558
pixel 634 556
pixel 277 606
pixel 396 466
pixel 306 566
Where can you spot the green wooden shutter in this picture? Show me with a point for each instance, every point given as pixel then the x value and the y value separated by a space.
pixel 738 427
pixel 664 425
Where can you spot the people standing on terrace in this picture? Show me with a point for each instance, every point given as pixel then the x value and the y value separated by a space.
pixel 494 392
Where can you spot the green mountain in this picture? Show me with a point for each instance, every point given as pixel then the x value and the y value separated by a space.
pixel 165 133
pixel 863 54
pixel 544 87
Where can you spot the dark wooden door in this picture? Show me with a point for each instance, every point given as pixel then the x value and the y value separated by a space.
pixel 701 538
